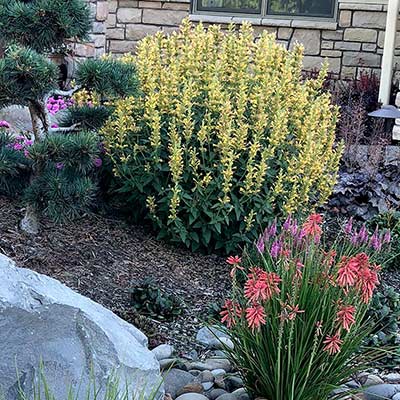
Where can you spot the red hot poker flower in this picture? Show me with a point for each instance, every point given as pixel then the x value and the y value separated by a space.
pixel 255 316
pixel 312 226
pixel 347 272
pixel 345 317
pixel 261 285
pixel 230 312
pixel 368 281
pixel 332 344
pixel 234 260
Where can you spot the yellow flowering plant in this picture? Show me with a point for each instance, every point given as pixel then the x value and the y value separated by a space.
pixel 225 135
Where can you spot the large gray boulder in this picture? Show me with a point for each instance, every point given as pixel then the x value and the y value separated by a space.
pixel 43 321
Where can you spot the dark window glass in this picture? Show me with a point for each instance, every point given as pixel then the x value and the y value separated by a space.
pixel 230 6
pixel 312 8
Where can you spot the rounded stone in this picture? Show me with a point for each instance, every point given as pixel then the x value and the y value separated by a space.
pixel 194 387
pixel 175 380
pixel 218 372
pixel 206 376
pixel 371 380
pixel 207 385
pixel 241 394
pixel 226 396
pixel 163 351
pixel 379 392
pixel 392 377
pixel 192 396
pixel 214 393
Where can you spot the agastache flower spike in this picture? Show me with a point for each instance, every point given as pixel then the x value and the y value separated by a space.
pixel 273 229
pixel 375 241
pixel 275 249
pixel 349 226
pixel 260 245
pixel 363 234
pixel 387 237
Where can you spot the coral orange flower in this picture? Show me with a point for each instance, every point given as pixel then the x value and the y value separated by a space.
pixel 347 272
pixel 230 312
pixel 255 316
pixel 332 344
pixel 312 226
pixel 261 285
pixel 234 260
pixel 368 281
pixel 345 317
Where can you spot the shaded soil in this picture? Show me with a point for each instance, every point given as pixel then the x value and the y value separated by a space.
pixel 102 258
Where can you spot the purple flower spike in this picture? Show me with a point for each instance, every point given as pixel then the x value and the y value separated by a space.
pixel 363 234
pixel 272 229
pixel 275 249
pixel 387 237
pixel 355 240
pixel 260 245
pixel 375 241
pixel 287 223
pixel 59 165
pixel 349 226
pixel 266 235
pixel 294 228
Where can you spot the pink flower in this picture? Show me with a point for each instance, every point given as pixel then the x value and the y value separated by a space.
pixel 261 285
pixel 332 344
pixel 54 126
pixel 17 146
pixel 347 272
pixel 255 316
pixel 4 124
pixel 59 165
pixel 367 283
pixel 234 260
pixel 230 312
pixel 312 226
pixel 345 317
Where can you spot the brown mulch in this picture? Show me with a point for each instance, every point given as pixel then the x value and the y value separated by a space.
pixel 102 258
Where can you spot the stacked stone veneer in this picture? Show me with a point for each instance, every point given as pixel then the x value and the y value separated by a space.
pixel 351 44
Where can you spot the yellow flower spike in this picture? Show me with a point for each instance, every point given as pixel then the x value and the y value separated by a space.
pixel 224 124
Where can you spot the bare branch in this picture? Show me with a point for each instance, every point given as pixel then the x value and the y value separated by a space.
pixel 65 129
pixel 66 92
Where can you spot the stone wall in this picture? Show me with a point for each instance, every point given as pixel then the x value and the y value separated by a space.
pixel 352 44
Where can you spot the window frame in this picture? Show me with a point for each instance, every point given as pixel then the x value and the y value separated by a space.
pixel 262 13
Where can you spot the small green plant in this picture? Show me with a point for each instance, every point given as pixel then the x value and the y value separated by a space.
pixel 149 299
pixel 297 314
pixel 385 312
pixel 112 390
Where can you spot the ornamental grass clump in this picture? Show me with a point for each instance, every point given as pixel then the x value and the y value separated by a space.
pixel 297 316
pixel 225 136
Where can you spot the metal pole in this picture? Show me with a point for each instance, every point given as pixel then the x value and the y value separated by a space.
pixel 388 51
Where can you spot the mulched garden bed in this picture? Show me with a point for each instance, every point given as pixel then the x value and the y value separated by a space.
pixel 102 258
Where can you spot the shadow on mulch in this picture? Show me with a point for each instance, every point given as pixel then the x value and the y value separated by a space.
pixel 102 258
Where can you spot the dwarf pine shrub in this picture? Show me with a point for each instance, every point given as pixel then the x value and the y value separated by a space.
pixel 225 136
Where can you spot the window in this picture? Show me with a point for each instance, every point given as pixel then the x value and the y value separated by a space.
pixel 287 8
